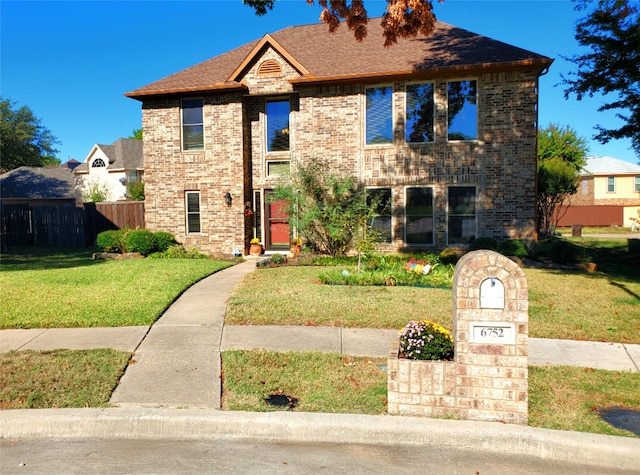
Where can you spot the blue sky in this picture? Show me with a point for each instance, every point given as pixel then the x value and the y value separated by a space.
pixel 72 61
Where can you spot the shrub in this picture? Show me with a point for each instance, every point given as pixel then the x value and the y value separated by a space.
pixel 135 190
pixel 425 340
pixel 142 241
pixel 513 247
pixel 113 240
pixel 448 256
pixel 483 243
pixel 164 240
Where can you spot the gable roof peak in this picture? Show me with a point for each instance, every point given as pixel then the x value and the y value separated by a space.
pixel 266 40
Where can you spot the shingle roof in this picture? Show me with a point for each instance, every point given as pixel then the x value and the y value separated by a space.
pixel 123 154
pixel 339 57
pixel 38 183
pixel 610 166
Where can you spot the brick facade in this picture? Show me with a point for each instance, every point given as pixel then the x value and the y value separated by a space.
pixel 327 121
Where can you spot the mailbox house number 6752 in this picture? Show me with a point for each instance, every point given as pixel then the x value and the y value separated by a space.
pixel 492 332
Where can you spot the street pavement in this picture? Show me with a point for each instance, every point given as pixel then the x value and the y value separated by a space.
pixel 171 392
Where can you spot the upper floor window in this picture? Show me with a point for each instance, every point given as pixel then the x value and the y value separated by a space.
pixel 193 211
pixel 380 200
pixel 462 110
pixel 379 115
pixel 611 184
pixel 98 163
pixel 278 126
pixel 192 124
pixel 636 185
pixel 419 215
pixel 419 113
pixel 461 225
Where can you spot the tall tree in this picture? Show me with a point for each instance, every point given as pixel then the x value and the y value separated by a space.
pixel 136 134
pixel 24 141
pixel 561 157
pixel 611 31
pixel 401 19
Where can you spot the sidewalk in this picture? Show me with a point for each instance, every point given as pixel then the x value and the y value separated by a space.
pixel 349 341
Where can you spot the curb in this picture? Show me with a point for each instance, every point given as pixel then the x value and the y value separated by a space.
pixel 606 452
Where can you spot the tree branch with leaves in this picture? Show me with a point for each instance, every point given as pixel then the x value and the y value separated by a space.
pixel 611 31
pixel 401 19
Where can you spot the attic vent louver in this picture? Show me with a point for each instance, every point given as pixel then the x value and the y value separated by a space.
pixel 269 67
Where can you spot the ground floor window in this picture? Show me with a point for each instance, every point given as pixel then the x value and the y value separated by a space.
pixel 192 199
pixel 461 214
pixel 380 198
pixel 419 215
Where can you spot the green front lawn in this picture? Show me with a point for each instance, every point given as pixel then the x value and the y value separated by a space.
pixel 58 288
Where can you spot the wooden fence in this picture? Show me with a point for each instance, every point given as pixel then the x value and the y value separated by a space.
pixel 66 226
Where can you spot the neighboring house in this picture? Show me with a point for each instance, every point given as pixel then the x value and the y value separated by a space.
pixel 443 129
pixel 112 168
pixel 39 186
pixel 608 194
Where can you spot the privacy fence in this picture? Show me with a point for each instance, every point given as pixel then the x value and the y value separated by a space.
pixel 66 226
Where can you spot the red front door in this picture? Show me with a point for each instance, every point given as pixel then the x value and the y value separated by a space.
pixel 277 224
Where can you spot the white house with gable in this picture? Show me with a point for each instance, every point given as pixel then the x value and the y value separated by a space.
pixel 112 168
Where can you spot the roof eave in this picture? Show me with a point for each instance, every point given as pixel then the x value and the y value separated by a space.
pixel 226 87
pixel 447 71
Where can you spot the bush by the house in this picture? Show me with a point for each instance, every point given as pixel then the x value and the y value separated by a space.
pixel 164 240
pixel 483 243
pixel 142 241
pixel 448 256
pixel 513 247
pixel 113 240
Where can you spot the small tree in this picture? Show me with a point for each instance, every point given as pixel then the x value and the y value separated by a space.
pixel 561 156
pixel 95 192
pixel 329 211
pixel 135 190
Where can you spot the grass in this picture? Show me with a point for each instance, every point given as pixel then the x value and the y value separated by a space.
pixel 314 382
pixel 563 304
pixel 60 378
pixel 561 398
pixel 67 288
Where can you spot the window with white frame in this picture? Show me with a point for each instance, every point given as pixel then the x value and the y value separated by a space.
pixel 277 112
pixel 98 163
pixel 462 110
pixel 418 225
pixel 192 124
pixel 461 214
pixel 611 184
pixel 636 184
pixel 192 199
pixel 419 112
pixel 380 200
pixel 379 115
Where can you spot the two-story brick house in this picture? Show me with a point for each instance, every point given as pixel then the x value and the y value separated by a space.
pixel 442 128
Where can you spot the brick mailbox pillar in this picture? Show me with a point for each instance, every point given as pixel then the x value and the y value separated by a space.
pixel 488 379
